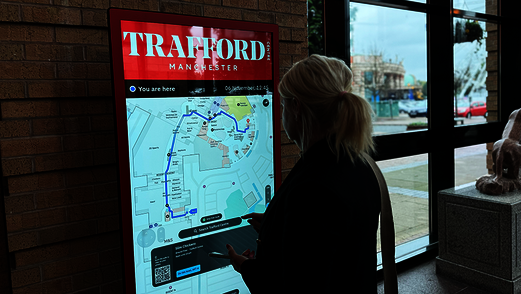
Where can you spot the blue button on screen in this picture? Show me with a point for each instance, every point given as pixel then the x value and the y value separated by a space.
pixel 187 271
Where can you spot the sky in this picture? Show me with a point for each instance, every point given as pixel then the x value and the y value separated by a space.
pixel 402 36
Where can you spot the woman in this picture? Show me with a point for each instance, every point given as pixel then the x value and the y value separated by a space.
pixel 318 235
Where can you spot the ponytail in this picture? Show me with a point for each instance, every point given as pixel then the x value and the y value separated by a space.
pixel 353 126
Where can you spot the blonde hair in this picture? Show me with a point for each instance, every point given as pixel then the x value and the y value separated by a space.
pixel 322 85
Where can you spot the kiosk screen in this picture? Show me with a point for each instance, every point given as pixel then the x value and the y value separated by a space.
pixel 198 121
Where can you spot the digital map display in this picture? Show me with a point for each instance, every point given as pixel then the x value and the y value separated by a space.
pixel 196 165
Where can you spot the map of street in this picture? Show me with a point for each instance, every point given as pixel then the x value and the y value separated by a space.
pixel 195 161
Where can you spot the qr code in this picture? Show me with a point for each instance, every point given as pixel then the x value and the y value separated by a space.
pixel 162 274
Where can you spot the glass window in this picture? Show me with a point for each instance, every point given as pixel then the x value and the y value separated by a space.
pixel 470 163
pixel 480 6
pixel 407 181
pixel 389 64
pixel 475 72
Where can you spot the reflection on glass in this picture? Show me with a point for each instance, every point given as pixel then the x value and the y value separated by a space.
pixel 389 64
pixel 475 72
pixel 480 6
pixel 407 181
pixel 470 163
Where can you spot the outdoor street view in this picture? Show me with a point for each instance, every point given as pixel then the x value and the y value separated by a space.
pixel 389 64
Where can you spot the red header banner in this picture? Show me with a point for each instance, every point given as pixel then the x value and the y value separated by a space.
pixel 153 51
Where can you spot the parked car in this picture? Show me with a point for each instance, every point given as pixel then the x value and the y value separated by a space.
pixel 418 109
pixel 405 106
pixel 476 108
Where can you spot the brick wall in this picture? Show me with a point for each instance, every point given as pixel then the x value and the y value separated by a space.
pixel 57 136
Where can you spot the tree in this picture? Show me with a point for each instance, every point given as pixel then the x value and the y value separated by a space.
pixel 375 80
pixel 316 27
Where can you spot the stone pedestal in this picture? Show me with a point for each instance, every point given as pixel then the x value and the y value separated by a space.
pixel 480 239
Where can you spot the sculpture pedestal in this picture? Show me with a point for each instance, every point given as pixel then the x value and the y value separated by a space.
pixel 480 239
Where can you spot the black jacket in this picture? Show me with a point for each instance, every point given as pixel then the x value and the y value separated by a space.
pixel 318 234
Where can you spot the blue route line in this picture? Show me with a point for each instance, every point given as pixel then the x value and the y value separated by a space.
pixel 192 211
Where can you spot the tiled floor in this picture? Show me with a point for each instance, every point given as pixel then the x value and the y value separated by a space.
pixel 423 279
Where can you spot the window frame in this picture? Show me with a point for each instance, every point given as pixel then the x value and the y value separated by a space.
pixel 442 137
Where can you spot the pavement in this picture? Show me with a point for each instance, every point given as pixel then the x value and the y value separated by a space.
pixel 397 124
pixel 407 180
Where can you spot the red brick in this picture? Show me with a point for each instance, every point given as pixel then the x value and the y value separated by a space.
pixel 78 142
pixel 63 197
pixel 288 162
pixel 13 223
pixel 290 48
pixel 100 88
pixel 27 70
pixel 14 128
pixel 16 166
pixel 179 8
pixel 87 280
pixel 10 90
pixel 112 272
pixel 98 4
pixel 16 32
pixel 105 156
pixel 53 52
pixel 67 232
pixel 275 5
pixel 93 210
pixel 106 191
pixel 258 16
pixel 19 203
pixel 45 218
pixel 86 106
pixel 62 161
pixel 94 17
pixel 70 266
pixel 222 12
pixel 91 175
pixel 150 5
pixel 114 287
pixel 112 256
pixel 300 8
pixel 289 150
pixel 105 140
pixel 57 286
pixel 56 126
pixel 248 4
pixel 51 14
pixel 284 34
pixel 98 71
pixel 72 71
pixel 98 53
pixel 299 35
pixel 24 109
pixel 37 182
pixel 109 224
pixel 10 12
pixel 11 52
pixel 56 89
pixel 73 35
pixel 19 147
pixel 41 254
pixel 102 122
pixel 22 241
pixel 292 21
pixel 25 277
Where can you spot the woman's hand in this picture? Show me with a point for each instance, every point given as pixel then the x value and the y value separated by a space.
pixel 237 259
pixel 254 219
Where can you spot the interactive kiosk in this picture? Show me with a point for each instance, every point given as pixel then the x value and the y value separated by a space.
pixel 198 125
